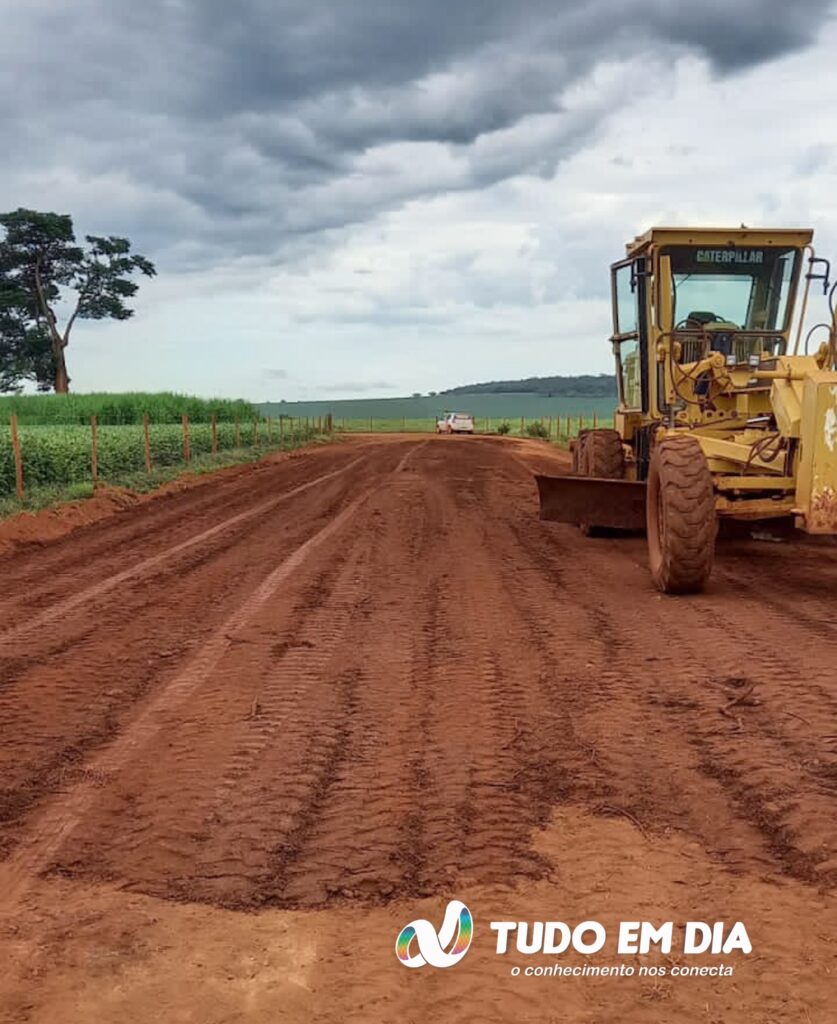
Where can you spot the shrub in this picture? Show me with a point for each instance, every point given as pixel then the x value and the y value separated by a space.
pixel 537 429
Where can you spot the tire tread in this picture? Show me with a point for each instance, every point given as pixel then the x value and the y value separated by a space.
pixel 687 491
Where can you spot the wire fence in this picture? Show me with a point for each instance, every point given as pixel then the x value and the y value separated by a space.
pixel 34 456
pixel 554 428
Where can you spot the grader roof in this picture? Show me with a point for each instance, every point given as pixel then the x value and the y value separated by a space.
pixel 719 237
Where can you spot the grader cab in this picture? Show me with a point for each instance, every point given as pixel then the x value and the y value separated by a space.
pixel 725 410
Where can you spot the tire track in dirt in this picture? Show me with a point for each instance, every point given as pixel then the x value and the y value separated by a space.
pixel 360 833
pixel 449 698
pixel 105 669
pixel 446 670
pixel 54 826
pixel 434 787
pixel 41 571
pixel 417 654
pixel 205 840
pixel 58 709
pixel 147 567
pixel 760 788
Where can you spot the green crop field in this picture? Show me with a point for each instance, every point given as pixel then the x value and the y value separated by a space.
pixel 426 408
pixel 119 409
pixel 59 456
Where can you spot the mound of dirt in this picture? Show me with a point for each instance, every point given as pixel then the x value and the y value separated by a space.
pixel 49 524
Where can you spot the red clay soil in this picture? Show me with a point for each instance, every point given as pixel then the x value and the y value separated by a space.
pixel 56 521
pixel 251 730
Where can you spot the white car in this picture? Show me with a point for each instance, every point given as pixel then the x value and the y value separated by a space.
pixel 455 423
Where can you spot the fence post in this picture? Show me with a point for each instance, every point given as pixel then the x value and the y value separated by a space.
pixel 19 491
pixel 146 444
pixel 214 431
pixel 580 423
pixel 237 432
pixel 255 432
pixel 521 426
pixel 187 449
pixel 330 424
pixel 94 450
pixel 281 429
pixel 269 430
pixel 595 421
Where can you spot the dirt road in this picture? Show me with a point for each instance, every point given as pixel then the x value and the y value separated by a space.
pixel 249 731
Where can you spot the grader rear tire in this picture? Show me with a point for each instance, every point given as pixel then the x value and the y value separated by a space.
pixel 682 524
pixel 605 455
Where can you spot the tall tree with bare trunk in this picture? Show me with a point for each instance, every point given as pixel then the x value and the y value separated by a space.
pixel 44 272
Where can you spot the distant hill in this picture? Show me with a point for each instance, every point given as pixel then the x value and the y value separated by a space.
pixel 602 385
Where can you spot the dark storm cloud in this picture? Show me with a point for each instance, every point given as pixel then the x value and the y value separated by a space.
pixel 738 34
pixel 208 130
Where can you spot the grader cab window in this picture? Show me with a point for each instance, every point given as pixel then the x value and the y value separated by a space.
pixel 625 304
pixel 626 332
pixel 731 299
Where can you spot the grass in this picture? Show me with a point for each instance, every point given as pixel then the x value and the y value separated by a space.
pixel 121 409
pixel 385 426
pixel 43 497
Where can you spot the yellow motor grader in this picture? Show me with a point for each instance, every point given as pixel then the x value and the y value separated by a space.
pixel 725 411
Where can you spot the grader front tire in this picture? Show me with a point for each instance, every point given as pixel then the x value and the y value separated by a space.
pixel 681 516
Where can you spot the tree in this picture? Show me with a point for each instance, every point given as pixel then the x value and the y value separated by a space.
pixel 43 270
pixel 25 354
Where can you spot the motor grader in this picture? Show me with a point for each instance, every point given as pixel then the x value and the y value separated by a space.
pixel 725 412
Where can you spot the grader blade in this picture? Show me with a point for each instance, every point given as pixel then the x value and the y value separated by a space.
pixel 612 504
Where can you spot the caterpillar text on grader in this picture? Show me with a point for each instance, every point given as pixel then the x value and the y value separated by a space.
pixel 722 411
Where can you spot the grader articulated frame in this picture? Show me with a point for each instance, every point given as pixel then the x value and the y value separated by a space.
pixel 723 411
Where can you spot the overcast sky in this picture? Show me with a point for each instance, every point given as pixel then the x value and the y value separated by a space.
pixel 357 197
